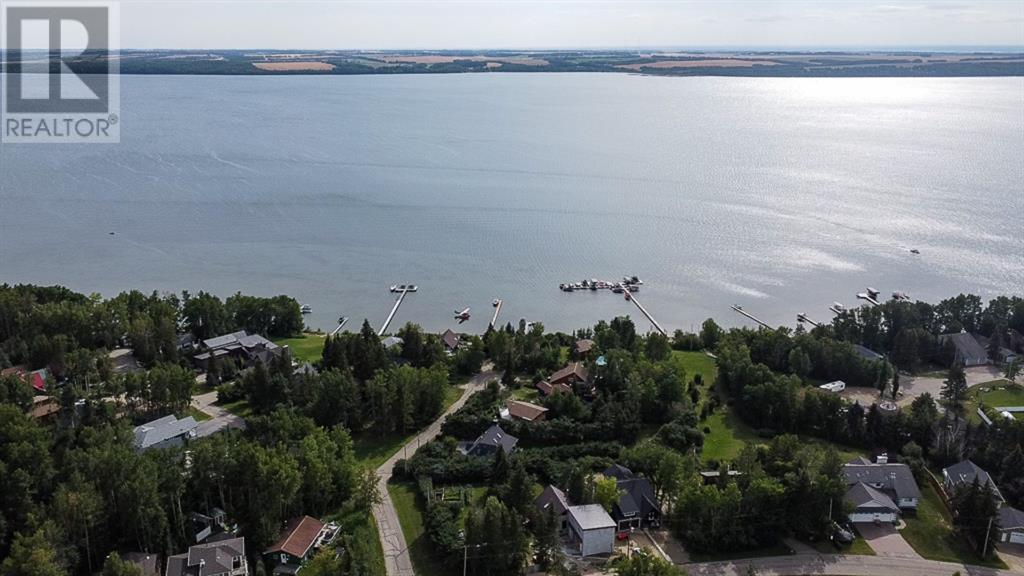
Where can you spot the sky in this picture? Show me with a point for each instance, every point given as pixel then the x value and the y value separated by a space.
pixel 339 24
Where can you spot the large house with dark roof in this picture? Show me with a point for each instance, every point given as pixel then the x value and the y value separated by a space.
pixel 241 346
pixel 964 473
pixel 164 432
pixel 879 491
pixel 222 558
pixel 1011 525
pixel 637 506
pixel 967 349
pixel 493 439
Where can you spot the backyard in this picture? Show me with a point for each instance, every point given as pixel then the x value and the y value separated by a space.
pixel 306 348
pixel 930 532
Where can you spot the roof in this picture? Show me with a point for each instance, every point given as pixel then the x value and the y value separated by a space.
pixel 298 536
pixel 38 379
pixel 226 339
pixel 864 497
pixel 965 472
pixel 546 388
pixel 145 561
pixel 450 339
pixel 495 436
pixel 1010 518
pixel 525 410
pixel 43 406
pixel 552 498
pixel 206 559
pixel 574 369
pixel 893 476
pixel 860 460
pixel 966 345
pixel 867 353
pixel 584 346
pixel 591 517
pixel 618 471
pixel 637 495
pixel 162 429
pixel 391 341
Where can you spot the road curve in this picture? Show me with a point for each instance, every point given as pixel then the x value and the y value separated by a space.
pixel 396 550
pixel 838 565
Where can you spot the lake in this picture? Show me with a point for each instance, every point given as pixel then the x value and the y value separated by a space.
pixel 781 195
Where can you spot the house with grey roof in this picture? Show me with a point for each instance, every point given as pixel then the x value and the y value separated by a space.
pixel 1011 525
pixel 493 439
pixel 552 500
pixel 867 353
pixel 637 506
pixel 964 473
pixel 164 432
pixel 967 349
pixel 222 558
pixel 879 491
pixel 592 529
pixel 241 346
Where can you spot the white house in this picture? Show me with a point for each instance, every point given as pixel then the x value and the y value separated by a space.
pixel 879 491
pixel 592 528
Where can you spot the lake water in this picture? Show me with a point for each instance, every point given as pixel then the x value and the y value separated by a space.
pixel 782 195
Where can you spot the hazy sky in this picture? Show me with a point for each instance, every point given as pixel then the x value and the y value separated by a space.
pixel 580 24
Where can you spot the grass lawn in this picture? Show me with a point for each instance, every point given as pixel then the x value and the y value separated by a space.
pixel 411 518
pixel 238 407
pixel 728 436
pixel 372 450
pixel 306 348
pixel 697 363
pixel 859 547
pixel 526 393
pixel 1007 395
pixel 930 533
pixel 199 416
pixel 779 549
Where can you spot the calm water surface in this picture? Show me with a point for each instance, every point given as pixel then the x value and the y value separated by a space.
pixel 781 195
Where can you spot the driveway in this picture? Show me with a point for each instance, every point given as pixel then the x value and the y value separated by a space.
pixel 219 417
pixel 1013 555
pixel 838 565
pixel 885 540
pixel 913 386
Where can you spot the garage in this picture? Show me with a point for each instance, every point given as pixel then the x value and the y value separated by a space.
pixel 1011 525
pixel 871 505
pixel 872 517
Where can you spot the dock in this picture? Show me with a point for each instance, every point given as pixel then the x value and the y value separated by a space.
pixel 632 297
pixel 341 325
pixel 868 297
pixel 398 302
pixel 803 318
pixel 497 309
pixel 740 309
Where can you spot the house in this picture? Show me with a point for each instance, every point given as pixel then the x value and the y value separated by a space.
pixel 295 545
pixel 592 529
pixel 547 389
pixel 523 411
pixel 1004 355
pixel 570 375
pixel 148 563
pixel 637 506
pixel 186 343
pixel 223 558
pixel 392 341
pixel 493 439
pixel 867 353
pixel 583 347
pixel 554 500
pixel 244 347
pixel 869 482
pixel 44 408
pixel 963 474
pixel 968 351
pixel 450 340
pixel 164 432
pixel 1011 525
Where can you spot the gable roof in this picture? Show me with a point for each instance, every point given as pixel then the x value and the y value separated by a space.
pixel 226 339
pixel 524 410
pixel 450 339
pixel 495 436
pixel 554 499
pixel 966 345
pixel 867 353
pixel 298 537
pixel 618 471
pixel 583 346
pixel 866 498
pixel 637 494
pixel 965 472
pixel 206 559
pixel 891 476
pixel 162 429
pixel 1010 518
pixel 392 341
pixel 591 517
pixel 546 388
pixel 572 370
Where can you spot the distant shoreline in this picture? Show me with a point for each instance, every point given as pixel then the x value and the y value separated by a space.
pixel 767 64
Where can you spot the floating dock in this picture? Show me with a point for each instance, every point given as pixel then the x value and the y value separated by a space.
pixel 740 309
pixel 633 299
pixel 497 310
pixel 868 297
pixel 398 302
pixel 803 318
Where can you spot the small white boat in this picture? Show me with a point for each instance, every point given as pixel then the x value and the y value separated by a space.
pixel 306 309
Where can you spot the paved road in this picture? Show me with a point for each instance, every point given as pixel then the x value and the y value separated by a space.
pixel 839 565
pixel 396 550
pixel 219 417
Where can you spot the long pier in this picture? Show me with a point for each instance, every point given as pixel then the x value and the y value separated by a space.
pixel 497 309
pixel 803 318
pixel 868 297
pixel 340 326
pixel 749 315
pixel 391 316
pixel 630 296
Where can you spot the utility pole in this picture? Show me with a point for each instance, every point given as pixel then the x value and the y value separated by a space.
pixel 984 549
pixel 465 555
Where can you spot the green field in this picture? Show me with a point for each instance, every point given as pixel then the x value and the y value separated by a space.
pixel 728 436
pixel 372 450
pixel 306 348
pixel 409 516
pixel 526 393
pixel 697 363
pixel 1006 395
pixel 859 547
pixel 930 532
pixel 238 407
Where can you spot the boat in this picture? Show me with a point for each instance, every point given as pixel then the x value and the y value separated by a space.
pixel 838 306
pixel 915 251
pixel 618 289
pixel 306 309
pixel 342 319
pixel 394 287
pixel 872 292
pixel 900 296
pixel 411 288
pixel 633 288
pixel 495 302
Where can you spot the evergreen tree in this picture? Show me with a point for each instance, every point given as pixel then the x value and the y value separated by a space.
pixel 954 391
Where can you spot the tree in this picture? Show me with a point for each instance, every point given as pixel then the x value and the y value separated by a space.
pixel 500 469
pixel 32 555
pixel 517 493
pixel 606 491
pixel 974 514
pixel 1012 370
pixel 496 542
pixel 954 391
pixel 115 566
pixel 799 362
pixel 643 563
pixel 79 507
pixel 710 334
pixel 657 347
pixel 325 563
pixel 546 543
pixel 895 382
